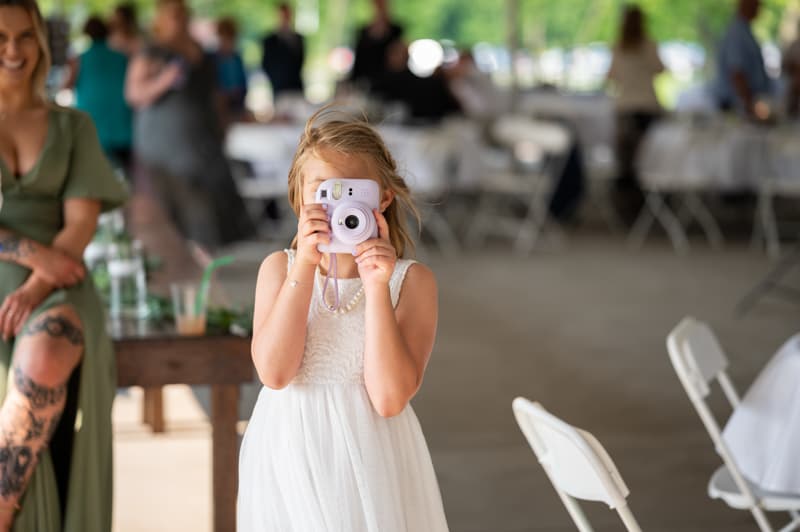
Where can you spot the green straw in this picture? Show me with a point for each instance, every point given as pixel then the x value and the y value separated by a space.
pixel 206 280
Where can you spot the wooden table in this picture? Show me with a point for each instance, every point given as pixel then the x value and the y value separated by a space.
pixel 152 355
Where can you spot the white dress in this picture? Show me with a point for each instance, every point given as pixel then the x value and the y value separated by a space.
pixel 763 434
pixel 316 457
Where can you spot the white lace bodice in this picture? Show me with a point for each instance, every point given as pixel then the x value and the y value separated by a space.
pixel 334 351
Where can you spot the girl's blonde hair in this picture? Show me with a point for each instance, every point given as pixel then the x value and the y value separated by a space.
pixel 39 78
pixel 337 131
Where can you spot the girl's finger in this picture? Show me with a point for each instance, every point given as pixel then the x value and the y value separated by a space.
pixel 315 226
pixel 383 225
pixel 374 242
pixel 320 238
pixel 372 256
pixel 314 209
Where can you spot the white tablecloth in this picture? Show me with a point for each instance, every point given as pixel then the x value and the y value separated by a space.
pixel 717 154
pixel 763 434
pixel 592 115
pixel 432 159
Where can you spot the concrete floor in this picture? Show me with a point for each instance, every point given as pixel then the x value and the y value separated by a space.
pixel 581 329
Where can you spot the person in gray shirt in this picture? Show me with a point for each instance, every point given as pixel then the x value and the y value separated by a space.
pixel 741 76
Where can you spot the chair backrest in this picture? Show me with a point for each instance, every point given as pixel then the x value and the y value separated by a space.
pixel 574 460
pixel 698 359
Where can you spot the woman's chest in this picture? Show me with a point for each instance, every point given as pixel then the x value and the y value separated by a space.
pixel 21 144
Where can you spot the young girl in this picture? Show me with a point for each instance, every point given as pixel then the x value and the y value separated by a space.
pixel 333 444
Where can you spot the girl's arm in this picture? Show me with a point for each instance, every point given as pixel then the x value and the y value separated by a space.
pixel 282 302
pixel 399 341
pixel 279 319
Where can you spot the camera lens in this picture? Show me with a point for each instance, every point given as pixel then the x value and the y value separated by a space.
pixel 351 221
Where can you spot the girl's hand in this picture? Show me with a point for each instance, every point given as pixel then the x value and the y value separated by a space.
pixel 57 268
pixel 376 257
pixel 18 305
pixel 313 228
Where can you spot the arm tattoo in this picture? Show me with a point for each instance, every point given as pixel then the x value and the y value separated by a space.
pixel 56 327
pixel 15 461
pixel 39 396
pixel 16 247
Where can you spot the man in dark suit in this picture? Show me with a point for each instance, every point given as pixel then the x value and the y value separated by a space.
pixel 372 45
pixel 284 53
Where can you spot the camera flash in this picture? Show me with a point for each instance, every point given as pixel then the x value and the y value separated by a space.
pixel 337 191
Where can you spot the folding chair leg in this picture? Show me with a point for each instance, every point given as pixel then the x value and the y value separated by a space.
pixel 761 519
pixel 671 224
pixel 772 281
pixel 476 231
pixel 575 511
pixel 768 225
pixel 440 228
pixel 794 524
pixel 627 518
pixel 641 227
pixel 656 209
pixel 704 217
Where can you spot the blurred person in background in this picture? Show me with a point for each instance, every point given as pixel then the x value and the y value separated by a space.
pixel 178 135
pixel 98 78
pixel 57 377
pixel 634 65
pixel 372 46
pixel 231 76
pixel 741 75
pixel 425 99
pixel 475 91
pixel 791 72
pixel 284 52
pixel 124 35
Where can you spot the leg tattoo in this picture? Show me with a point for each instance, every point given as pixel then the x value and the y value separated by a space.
pixel 15 464
pixel 28 419
pixel 56 327
pixel 39 396
pixel 30 413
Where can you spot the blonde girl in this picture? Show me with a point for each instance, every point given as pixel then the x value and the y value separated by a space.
pixel 333 444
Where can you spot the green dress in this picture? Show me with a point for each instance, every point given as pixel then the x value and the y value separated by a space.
pixel 71 165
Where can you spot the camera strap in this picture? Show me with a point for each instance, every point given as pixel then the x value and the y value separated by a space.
pixel 332 269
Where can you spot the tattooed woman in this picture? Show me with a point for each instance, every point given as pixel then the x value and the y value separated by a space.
pixel 56 365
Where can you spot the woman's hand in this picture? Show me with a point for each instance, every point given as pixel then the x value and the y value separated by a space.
pixel 171 75
pixel 376 257
pixel 57 268
pixel 18 305
pixel 313 228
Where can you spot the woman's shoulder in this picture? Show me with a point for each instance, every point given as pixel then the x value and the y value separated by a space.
pixel 70 119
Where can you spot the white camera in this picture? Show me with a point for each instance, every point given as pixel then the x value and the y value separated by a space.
pixel 350 205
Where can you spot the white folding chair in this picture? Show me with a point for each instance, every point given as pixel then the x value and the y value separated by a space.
pixel 684 178
pixel 698 359
pixel 537 152
pixel 575 462
pixel 782 179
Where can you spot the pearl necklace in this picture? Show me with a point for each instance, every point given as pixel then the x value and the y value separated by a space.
pixel 343 309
